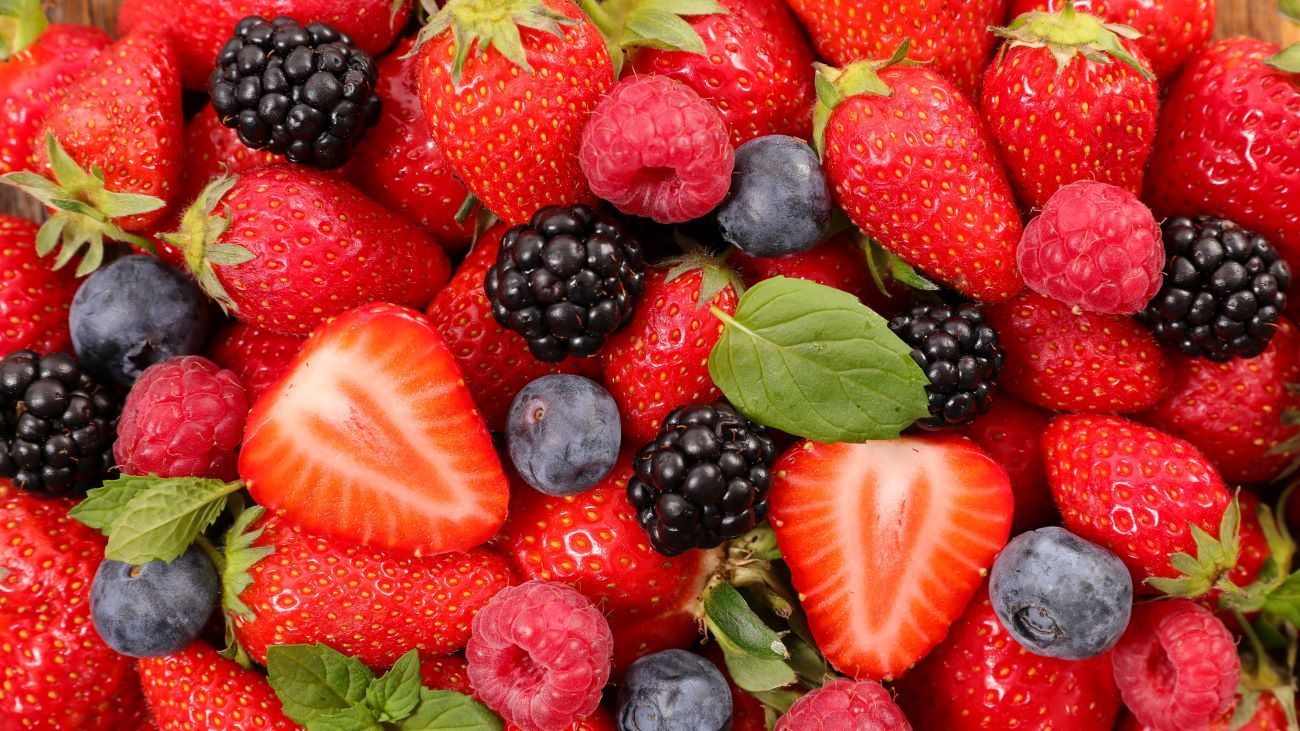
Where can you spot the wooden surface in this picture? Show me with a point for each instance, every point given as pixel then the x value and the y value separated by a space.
pixel 1236 17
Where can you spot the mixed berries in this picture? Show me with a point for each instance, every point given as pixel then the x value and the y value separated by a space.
pixel 631 365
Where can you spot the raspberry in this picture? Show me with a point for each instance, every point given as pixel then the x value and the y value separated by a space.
pixel 183 418
pixel 654 148
pixel 1096 246
pixel 1176 666
pixel 845 704
pixel 539 655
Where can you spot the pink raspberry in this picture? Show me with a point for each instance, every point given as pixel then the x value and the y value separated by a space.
pixel 1096 246
pixel 862 705
pixel 654 148
pixel 539 654
pixel 1176 666
pixel 183 418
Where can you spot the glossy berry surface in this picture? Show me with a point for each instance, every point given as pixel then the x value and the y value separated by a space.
pixel 960 355
pixel 671 690
pixel 780 203
pixel 563 434
pixel 842 703
pixel 1059 595
pixel 566 281
pixel 306 92
pixel 703 480
pixel 154 609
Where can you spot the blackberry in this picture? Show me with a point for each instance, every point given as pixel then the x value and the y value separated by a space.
pixel 1223 291
pixel 566 281
pixel 703 480
pixel 59 425
pixel 302 91
pixel 959 354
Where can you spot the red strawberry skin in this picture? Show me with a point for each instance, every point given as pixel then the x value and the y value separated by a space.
pixel 1132 489
pixel 212 150
pixel 916 172
pixel 398 163
pixel 754 69
pixel 258 357
pixel 200 28
pixel 660 360
pixel 367 603
pixel 34 299
pixel 1011 433
pixel 55 672
pixel 980 679
pixel 36 78
pixel 1234 412
pixel 837 262
pixel 1226 143
pixel 197 690
pixel 514 154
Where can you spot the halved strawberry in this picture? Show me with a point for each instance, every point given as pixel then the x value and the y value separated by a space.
pixel 887 541
pixel 372 437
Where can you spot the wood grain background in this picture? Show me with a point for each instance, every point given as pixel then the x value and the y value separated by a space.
pixel 1236 17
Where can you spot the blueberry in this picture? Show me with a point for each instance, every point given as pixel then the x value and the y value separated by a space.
pixel 1059 595
pixel 563 433
pixel 133 313
pixel 674 690
pixel 780 203
pixel 155 609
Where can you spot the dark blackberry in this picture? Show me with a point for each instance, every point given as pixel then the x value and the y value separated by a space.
pixel 302 91
pixel 959 354
pixel 703 480
pixel 59 424
pixel 1223 291
pixel 566 281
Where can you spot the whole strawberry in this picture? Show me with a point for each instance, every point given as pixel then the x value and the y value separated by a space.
pixel 1226 143
pixel 197 689
pixel 1011 433
pixel 1066 100
pixel 909 161
pixel 34 299
pixel 506 87
pixel 285 247
pixel 213 150
pixel 258 357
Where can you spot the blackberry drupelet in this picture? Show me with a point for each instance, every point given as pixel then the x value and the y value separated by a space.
pixel 703 480
pixel 1223 291
pixel 302 91
pixel 566 281
pixel 59 424
pixel 959 354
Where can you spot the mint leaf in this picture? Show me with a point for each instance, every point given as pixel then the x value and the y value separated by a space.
pixel 161 521
pixel 444 710
pixel 356 718
pixel 103 505
pixel 1284 600
pixel 315 681
pixel 397 693
pixel 732 621
pixel 241 555
pixel 756 674
pixel 814 361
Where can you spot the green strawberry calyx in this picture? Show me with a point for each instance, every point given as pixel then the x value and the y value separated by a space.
pixel 836 86
pixel 85 211
pixel 483 25
pixel 1286 60
pixel 631 24
pixel 199 240
pixel 21 23
pixel 1068 33
pixel 715 274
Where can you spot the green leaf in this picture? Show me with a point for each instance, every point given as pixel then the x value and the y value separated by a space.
pixel 315 681
pixel 1288 59
pixel 21 23
pixel 162 521
pixel 103 505
pixel 781 700
pixel 1291 9
pixel 807 662
pixel 731 620
pixel 756 674
pixel 815 362
pixel 663 30
pixel 395 695
pixel 356 718
pixel 1284 600
pixel 241 556
pixel 443 710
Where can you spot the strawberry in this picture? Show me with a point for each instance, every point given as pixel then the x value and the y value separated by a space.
pixel 55 672
pixel 886 542
pixel 197 690
pixel 980 678
pixel 660 360
pixel 34 299
pixel 320 245
pixel 372 437
pixel 952 37
pixel 1171 30
pixel 495 361
pixel 200 27
pixel 1237 412
pixel 38 63
pixel 364 602
pixel 592 542
pixel 1132 489
pixel 754 68
pixel 399 164
pixel 909 160
pixel 1226 143
pixel 213 150
pixel 837 262
pixel 506 95
pixel 258 357
pixel 1066 101
pixel 451 672
pixel 1065 360
pixel 1011 433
